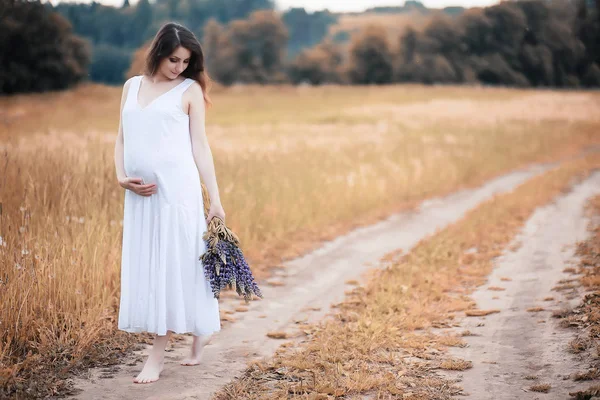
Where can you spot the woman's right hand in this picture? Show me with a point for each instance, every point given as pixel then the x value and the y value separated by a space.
pixel 136 186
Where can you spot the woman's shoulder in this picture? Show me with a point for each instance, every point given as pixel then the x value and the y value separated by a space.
pixel 129 81
pixel 193 86
pixel 132 79
pixel 193 81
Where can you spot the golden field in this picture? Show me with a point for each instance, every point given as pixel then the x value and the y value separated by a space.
pixel 379 343
pixel 295 165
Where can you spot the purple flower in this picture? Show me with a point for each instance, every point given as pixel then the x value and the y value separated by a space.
pixel 224 263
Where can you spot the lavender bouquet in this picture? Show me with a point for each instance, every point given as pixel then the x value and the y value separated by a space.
pixel 224 264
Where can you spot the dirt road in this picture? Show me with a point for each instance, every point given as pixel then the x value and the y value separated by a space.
pixel 516 344
pixel 310 284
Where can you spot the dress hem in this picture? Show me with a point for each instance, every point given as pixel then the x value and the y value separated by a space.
pixel 179 332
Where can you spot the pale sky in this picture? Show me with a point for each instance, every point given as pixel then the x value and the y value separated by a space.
pixel 335 5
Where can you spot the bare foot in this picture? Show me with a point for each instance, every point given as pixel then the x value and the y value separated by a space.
pixel 197 350
pixel 151 370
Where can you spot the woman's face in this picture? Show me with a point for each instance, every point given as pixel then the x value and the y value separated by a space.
pixel 176 63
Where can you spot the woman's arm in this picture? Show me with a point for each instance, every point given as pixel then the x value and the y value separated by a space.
pixel 201 150
pixel 119 162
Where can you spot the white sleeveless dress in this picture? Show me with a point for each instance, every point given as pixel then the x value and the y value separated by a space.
pixel 163 286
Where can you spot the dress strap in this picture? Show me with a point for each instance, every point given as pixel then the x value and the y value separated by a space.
pixel 178 93
pixel 138 83
pixel 134 88
pixel 184 85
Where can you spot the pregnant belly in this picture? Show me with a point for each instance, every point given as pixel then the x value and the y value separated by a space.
pixel 161 168
pixel 142 164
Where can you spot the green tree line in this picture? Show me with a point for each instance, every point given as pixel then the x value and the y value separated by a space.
pixel 105 38
pixel 553 43
pixel 115 33
pixel 520 43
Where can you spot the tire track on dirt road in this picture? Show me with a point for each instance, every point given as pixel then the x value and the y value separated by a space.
pixel 515 343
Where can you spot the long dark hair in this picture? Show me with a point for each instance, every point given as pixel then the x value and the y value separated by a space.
pixel 170 36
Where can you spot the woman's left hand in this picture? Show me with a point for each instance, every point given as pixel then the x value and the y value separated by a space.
pixel 215 211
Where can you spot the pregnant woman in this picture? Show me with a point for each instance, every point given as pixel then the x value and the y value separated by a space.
pixel 161 153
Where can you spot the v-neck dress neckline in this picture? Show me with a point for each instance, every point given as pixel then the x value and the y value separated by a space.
pixel 137 94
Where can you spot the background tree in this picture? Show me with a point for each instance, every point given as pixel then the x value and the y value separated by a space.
pixel 38 50
pixel 520 43
pixel 137 61
pixel 321 64
pixel 371 59
pixel 440 49
pixel 117 31
pixel 141 21
pixel 212 39
pixel 251 50
pixel 587 29
pixel 108 62
pixel 306 29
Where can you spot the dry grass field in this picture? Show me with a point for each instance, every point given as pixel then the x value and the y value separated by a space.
pixel 379 343
pixel 295 165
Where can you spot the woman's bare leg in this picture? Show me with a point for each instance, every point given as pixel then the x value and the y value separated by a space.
pixel 197 349
pixel 154 364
